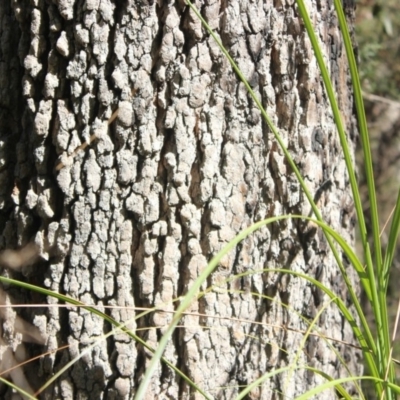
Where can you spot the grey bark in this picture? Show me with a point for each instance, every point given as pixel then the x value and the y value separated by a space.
pixel 133 219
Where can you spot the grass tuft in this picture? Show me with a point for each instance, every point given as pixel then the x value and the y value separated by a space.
pixel 374 274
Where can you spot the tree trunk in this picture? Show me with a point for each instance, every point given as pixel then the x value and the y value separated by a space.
pixel 131 220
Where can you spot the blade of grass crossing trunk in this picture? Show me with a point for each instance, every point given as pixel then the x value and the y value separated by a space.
pixel 362 125
pixel 392 243
pixel 313 392
pixel 337 119
pixel 366 282
pixel 17 389
pixel 188 298
pixel 191 296
pixel 70 300
pixel 376 300
pixel 342 134
pixel 390 251
pixel 193 293
pixel 297 173
pixel 381 268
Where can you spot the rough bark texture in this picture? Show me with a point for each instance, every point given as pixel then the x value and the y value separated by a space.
pixel 188 163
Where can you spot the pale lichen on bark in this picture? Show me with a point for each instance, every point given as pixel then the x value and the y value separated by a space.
pixel 187 164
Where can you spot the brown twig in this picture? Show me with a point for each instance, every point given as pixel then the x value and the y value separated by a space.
pixel 83 146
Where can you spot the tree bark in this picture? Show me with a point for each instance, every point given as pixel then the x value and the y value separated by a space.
pixel 131 220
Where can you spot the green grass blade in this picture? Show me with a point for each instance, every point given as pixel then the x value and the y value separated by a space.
pixel 389 255
pixel 330 384
pixel 363 343
pixel 83 352
pixel 260 381
pixel 337 118
pixel 70 300
pixel 344 394
pixel 379 308
pixel 17 389
pixel 366 342
pixel 362 124
pixel 367 352
pixel 191 296
pixel 289 159
pixel 262 110
pixel 378 297
pixel 392 243
pixel 303 342
pixel 343 142
pixel 335 382
pixel 317 332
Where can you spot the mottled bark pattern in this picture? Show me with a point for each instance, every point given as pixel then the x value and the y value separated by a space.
pixel 132 220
